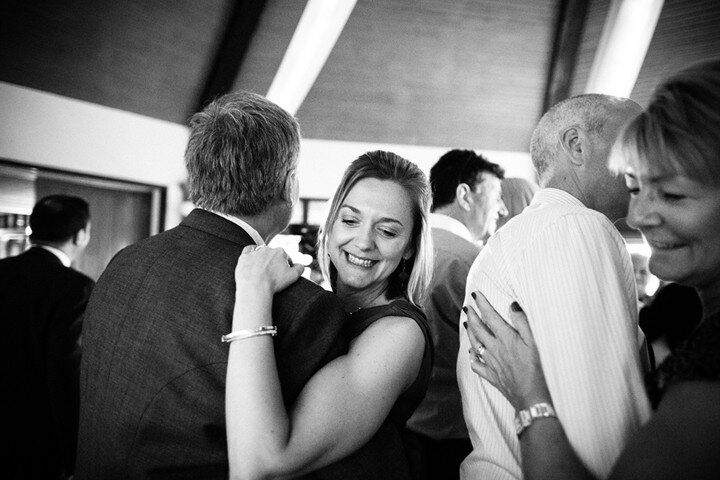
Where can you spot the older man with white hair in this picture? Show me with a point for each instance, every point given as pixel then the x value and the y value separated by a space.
pixel 563 260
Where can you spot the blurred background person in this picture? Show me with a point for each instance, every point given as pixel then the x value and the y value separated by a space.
pixel 659 318
pixel 642 277
pixel 466 205
pixel 517 193
pixel 42 300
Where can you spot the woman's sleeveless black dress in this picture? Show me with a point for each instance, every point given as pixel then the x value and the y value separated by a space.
pixel 391 453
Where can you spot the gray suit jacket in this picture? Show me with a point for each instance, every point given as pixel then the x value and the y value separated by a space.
pixel 440 415
pixel 153 367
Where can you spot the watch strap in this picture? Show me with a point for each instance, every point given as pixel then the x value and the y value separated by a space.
pixel 524 418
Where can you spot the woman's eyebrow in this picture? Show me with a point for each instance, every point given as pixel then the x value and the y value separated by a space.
pixel 383 219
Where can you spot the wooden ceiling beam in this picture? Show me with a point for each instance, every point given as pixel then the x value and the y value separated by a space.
pixel 243 20
pixel 568 35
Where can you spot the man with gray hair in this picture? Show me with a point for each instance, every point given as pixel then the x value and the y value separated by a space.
pixel 564 262
pixel 153 368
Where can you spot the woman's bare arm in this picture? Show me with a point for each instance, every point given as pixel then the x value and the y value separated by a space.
pixel 511 363
pixel 338 410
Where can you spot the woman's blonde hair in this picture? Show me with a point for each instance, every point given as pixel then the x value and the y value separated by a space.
pixel 679 132
pixel 412 277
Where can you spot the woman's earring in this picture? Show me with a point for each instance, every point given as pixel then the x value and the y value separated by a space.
pixel 403 275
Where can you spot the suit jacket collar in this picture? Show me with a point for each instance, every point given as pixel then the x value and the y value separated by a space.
pixel 38 252
pixel 62 256
pixel 213 224
pixel 257 239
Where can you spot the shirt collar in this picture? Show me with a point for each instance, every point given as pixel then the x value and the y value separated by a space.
pixel 555 195
pixel 242 224
pixel 444 222
pixel 62 256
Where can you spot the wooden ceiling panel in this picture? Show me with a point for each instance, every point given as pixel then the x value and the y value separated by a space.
pixel 594 22
pixel 267 48
pixel 461 73
pixel 465 73
pixel 688 31
pixel 145 57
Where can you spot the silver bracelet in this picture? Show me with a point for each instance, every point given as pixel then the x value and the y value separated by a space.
pixel 249 333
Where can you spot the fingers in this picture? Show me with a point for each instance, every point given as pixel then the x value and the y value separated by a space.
pixel 298 268
pixel 263 253
pixel 267 266
pixel 248 249
pixel 477 331
pixel 485 372
pixel 254 248
pixel 520 321
pixel 492 319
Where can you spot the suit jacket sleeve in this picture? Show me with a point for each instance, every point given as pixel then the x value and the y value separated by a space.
pixel 63 365
pixel 448 293
pixel 310 322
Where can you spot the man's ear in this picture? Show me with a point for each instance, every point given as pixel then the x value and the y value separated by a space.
pixel 571 140
pixel 82 236
pixel 290 190
pixel 462 195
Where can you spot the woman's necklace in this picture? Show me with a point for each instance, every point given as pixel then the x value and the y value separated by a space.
pixel 373 303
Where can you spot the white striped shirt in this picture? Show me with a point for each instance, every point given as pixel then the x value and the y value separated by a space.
pixel 568 268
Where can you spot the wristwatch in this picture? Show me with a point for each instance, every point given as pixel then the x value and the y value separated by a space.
pixel 525 417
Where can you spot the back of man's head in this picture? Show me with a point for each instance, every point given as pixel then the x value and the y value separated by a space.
pixel 571 146
pixel 242 151
pixel 55 219
pixel 597 114
pixel 456 167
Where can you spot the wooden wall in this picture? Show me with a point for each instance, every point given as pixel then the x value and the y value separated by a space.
pixel 121 213
pixel 118 218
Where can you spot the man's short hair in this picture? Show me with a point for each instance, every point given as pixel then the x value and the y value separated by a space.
pixel 241 150
pixel 588 111
pixel 57 218
pixel 456 167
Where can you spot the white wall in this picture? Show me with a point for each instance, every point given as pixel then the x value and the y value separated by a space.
pixel 322 162
pixel 59 132
pixel 63 133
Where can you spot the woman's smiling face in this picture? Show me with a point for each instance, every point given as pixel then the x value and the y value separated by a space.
pixel 370 236
pixel 680 219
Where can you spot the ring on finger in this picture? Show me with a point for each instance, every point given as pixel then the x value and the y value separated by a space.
pixel 479 350
pixel 475 357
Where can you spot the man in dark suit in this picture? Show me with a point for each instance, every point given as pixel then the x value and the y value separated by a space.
pixel 153 370
pixel 466 206
pixel 42 301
